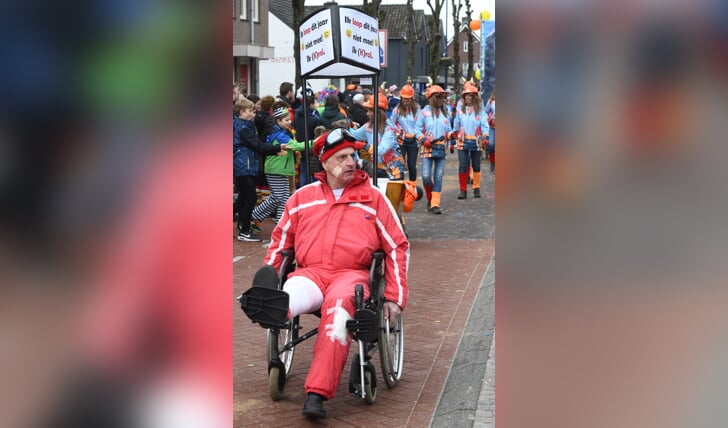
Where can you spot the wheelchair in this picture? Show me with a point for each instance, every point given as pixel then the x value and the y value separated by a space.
pixel 268 307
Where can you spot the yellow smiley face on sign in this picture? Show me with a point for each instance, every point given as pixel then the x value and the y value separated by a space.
pixel 303 47
pixel 327 34
pixel 348 32
pixel 376 42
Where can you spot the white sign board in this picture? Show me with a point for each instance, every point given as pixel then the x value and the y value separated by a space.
pixel 359 37
pixel 317 41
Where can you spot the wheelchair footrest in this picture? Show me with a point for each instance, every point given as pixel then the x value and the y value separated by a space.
pixel 265 306
pixel 364 325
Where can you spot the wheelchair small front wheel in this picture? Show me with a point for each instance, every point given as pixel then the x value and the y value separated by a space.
pixel 276 381
pixel 391 349
pixel 370 390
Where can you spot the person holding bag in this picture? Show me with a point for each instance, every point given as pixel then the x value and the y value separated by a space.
pixel 470 127
pixel 432 131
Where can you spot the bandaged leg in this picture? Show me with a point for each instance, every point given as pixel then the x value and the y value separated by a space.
pixel 305 296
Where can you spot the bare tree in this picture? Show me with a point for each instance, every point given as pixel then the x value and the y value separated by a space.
pixel 372 8
pixel 469 17
pixel 435 37
pixel 457 5
pixel 297 18
pixel 410 38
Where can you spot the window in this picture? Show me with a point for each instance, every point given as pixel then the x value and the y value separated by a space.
pixel 244 9
pixel 465 46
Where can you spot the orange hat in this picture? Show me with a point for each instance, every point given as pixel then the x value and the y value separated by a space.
pixel 432 90
pixel 383 104
pixel 350 87
pixel 469 88
pixel 332 141
pixel 407 91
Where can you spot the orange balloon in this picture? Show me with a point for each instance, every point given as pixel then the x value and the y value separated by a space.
pixel 475 24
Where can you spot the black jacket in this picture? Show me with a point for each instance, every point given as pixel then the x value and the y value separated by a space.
pixel 358 114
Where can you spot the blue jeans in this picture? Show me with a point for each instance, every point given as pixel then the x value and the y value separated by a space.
pixel 491 140
pixel 409 151
pixel 427 167
pixel 469 158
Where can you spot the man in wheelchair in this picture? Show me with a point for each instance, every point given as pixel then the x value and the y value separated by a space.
pixel 334 226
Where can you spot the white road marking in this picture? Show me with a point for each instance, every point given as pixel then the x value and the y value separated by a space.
pixel 237 258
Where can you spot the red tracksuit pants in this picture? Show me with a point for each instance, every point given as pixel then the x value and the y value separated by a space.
pixel 332 291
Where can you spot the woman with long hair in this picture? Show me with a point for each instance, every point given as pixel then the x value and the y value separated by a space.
pixel 388 156
pixel 432 132
pixel 470 127
pixel 404 119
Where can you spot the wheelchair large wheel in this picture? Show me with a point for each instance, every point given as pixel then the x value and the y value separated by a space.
pixel 277 373
pixel 391 349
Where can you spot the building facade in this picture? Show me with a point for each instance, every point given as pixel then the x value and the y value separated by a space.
pixel 250 42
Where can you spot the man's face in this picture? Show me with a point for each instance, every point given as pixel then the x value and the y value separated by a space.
pixel 340 167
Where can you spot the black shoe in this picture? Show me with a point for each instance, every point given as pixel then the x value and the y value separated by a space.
pixel 266 277
pixel 492 167
pixel 314 406
pixel 435 210
pixel 463 194
pixel 476 193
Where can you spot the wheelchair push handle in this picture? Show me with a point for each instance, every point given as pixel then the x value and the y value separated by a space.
pixel 359 296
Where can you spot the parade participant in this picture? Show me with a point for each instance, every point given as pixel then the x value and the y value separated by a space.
pixel 334 226
pixel 404 119
pixel 470 128
pixel 394 99
pixel 246 148
pixel 432 132
pixel 490 112
pixel 278 169
pixel 388 156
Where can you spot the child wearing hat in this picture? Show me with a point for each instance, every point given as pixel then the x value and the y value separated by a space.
pixel 278 169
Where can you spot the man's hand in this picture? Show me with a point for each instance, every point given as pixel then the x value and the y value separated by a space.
pixel 391 310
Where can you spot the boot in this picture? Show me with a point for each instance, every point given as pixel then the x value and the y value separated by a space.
pixel 476 184
pixel 428 193
pixel 463 179
pixel 314 406
pixel 436 203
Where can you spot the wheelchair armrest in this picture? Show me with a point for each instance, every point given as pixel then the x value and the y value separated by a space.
pixel 288 265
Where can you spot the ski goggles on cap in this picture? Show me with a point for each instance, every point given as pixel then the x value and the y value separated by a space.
pixel 335 137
